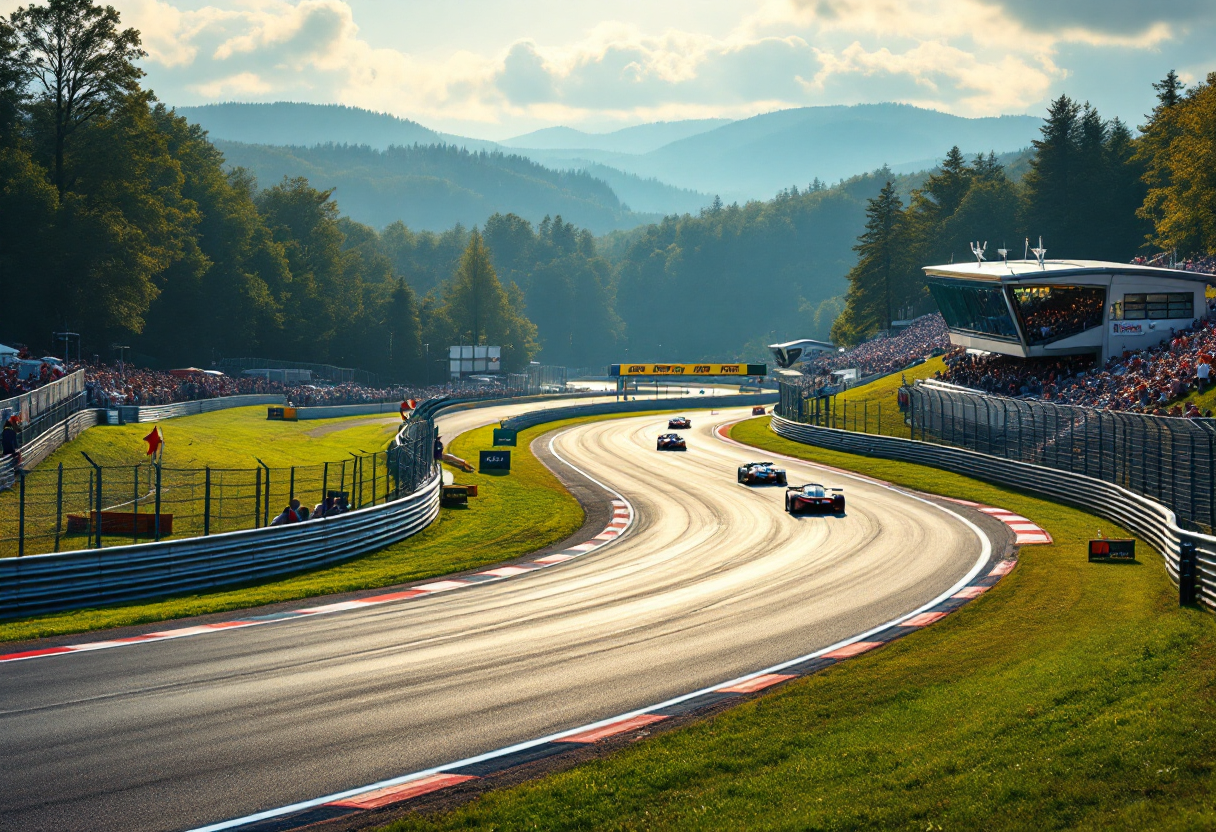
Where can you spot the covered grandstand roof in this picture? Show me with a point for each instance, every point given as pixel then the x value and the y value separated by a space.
pixel 1015 271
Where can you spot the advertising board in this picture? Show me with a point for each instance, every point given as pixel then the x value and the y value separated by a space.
pixel 689 370
pixel 495 461
pixel 1105 550
pixel 504 436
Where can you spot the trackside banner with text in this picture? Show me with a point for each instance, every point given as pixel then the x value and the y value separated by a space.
pixel 689 369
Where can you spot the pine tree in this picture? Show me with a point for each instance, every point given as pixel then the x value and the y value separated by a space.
pixel 1051 179
pixel 878 283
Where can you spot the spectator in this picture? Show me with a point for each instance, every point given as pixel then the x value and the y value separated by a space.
pixel 285 517
pixel 300 510
pixel 8 437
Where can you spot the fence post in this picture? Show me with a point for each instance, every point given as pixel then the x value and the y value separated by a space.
pixel 257 496
pixel 324 489
pixel 21 512
pixel 59 507
pixel 291 487
pixel 207 502
pixel 135 507
pixel 865 418
pixel 374 455
pixel 1191 475
pixel 1186 573
pixel 157 520
pixel 96 497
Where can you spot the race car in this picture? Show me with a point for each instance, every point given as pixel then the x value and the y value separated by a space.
pixel 758 410
pixel 672 442
pixel 761 473
pixel 679 423
pixel 814 498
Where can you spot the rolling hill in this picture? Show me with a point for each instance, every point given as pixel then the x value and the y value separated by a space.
pixel 642 138
pixel 437 186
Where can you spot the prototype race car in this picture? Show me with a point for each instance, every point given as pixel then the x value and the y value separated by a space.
pixel 672 442
pixel 814 498
pixel 761 473
pixel 758 410
pixel 679 423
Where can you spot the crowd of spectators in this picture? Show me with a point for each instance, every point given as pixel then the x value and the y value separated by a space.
pixel 1157 380
pixel 1204 264
pixel 924 337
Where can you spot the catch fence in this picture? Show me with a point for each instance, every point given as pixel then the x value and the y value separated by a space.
pixel 93 506
pixel 1167 459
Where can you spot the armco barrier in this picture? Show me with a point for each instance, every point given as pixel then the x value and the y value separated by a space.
pixel 39 449
pixel 42 584
pixel 556 414
pixel 1150 520
pixel 156 412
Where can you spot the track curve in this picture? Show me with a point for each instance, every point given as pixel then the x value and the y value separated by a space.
pixel 713 581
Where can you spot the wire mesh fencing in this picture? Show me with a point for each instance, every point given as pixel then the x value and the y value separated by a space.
pixel 61 508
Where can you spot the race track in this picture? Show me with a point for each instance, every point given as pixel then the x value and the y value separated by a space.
pixel 713 581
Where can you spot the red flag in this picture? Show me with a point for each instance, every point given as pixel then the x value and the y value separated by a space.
pixel 154 440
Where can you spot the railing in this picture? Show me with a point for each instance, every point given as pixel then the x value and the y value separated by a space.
pixel 30 405
pixel 1152 521
pixel 556 414
pixel 156 412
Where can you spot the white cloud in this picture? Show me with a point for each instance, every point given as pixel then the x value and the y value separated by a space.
pixel 972 57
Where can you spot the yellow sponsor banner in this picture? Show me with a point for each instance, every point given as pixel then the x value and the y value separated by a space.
pixel 690 369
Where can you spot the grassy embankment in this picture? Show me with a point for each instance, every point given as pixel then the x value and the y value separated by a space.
pixel 1073 695
pixel 514 515
pixel 874 405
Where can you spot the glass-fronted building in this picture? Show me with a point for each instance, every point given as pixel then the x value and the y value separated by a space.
pixel 1064 307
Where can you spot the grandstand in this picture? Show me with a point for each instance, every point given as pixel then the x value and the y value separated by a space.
pixel 1028 309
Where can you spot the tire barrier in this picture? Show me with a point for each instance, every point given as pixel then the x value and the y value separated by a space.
pixel 1152 521
pixel 41 584
pixel 557 414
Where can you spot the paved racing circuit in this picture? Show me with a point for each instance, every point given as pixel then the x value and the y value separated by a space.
pixel 713 581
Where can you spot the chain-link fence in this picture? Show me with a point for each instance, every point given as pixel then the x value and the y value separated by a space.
pixel 94 506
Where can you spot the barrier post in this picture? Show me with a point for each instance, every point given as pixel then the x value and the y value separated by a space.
pixel 59 507
pixel 879 419
pixel 865 418
pixel 374 455
pixel 1186 573
pixel 21 511
pixel 207 502
pixel 324 488
pixel 291 485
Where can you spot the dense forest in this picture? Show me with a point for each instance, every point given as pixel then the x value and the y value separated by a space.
pixel 123 222
pixel 1092 190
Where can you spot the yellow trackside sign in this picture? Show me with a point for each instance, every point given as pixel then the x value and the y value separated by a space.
pixel 689 369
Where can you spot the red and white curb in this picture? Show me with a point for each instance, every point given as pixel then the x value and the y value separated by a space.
pixel 622 518
pixel 1028 532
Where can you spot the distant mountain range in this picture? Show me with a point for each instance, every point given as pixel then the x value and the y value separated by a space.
pixel 650 169
pixel 642 138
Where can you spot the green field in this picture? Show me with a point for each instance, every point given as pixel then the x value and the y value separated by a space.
pixel 230 443
pixel 512 516
pixel 873 407
pixel 1073 695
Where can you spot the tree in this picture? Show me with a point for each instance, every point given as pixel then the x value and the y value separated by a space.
pixel 13 78
pixel 483 312
pixel 83 64
pixel 405 329
pixel 1169 90
pixel 1050 183
pixel 878 282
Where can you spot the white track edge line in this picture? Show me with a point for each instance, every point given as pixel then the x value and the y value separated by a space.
pixel 982 560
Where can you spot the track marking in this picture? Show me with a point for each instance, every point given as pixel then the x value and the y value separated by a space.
pixel 852 646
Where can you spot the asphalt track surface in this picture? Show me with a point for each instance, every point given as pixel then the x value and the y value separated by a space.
pixel 713 581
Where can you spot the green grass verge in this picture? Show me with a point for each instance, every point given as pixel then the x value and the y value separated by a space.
pixel 874 408
pixel 512 516
pixel 1073 695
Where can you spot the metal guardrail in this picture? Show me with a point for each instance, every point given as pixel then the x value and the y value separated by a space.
pixel 51 440
pixel 156 412
pixel 1152 521
pixel 42 584
pixel 527 420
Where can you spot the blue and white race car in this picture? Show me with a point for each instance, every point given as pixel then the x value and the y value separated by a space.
pixel 672 442
pixel 761 473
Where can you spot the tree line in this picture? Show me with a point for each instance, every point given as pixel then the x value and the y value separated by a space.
pixel 1093 190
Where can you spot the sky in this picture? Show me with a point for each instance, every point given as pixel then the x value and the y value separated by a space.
pixel 498 68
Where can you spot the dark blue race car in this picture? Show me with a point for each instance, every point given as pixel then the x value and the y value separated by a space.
pixel 672 442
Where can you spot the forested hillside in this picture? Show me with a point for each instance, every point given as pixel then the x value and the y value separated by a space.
pixel 433 187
